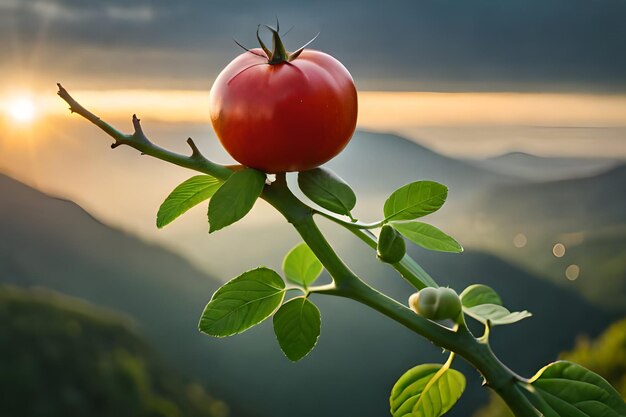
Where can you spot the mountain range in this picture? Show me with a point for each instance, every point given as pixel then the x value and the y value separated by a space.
pixel 544 168
pixel 587 216
pixel 54 243
pixel 112 255
pixel 61 356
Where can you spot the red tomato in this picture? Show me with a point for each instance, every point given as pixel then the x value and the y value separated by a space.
pixel 289 116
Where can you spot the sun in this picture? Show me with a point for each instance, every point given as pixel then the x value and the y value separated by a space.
pixel 22 110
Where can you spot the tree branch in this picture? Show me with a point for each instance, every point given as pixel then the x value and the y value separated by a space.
pixel 346 283
pixel 139 141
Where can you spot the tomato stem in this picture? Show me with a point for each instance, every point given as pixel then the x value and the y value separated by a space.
pixel 297 53
pixel 263 46
pixel 279 54
pixel 248 50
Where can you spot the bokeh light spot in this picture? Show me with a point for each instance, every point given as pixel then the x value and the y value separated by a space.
pixel 572 272
pixel 520 240
pixel 558 250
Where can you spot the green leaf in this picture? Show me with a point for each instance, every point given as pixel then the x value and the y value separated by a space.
pixel 301 266
pixel 187 195
pixel 427 236
pixel 495 314
pixel 478 294
pixel 415 200
pixel 297 326
pixel 235 198
pixel 568 389
pixel 328 190
pixel 428 390
pixel 243 302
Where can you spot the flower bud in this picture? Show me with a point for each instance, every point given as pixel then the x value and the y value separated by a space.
pixel 436 303
pixel 391 247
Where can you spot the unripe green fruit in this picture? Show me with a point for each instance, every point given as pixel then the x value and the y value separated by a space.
pixel 425 302
pixel 391 247
pixel 436 303
pixel 449 304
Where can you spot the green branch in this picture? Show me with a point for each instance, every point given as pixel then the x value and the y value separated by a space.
pixel 349 285
pixel 407 267
pixel 353 224
pixel 140 142
pixel 345 282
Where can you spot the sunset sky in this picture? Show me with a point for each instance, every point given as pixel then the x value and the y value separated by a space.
pixel 404 45
pixel 466 78
pixel 469 79
pixel 511 112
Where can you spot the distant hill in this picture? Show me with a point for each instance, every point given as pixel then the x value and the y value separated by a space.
pixel 377 163
pixel 63 357
pixel 124 189
pixel 54 243
pixel 586 215
pixel 544 168
pixel 588 202
pixel 401 160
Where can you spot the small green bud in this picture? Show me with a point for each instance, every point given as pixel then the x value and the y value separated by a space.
pixel 391 247
pixel 425 302
pixel 449 304
pixel 436 303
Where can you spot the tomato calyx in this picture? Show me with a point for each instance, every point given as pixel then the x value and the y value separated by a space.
pixel 279 54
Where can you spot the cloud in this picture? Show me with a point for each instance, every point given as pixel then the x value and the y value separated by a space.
pixel 83 11
pixel 53 10
pixel 436 45
pixel 9 4
pixel 141 13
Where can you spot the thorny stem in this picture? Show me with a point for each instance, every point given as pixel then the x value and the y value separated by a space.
pixel 140 142
pixel 345 282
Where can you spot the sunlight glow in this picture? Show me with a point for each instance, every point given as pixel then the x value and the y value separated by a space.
pixel 22 110
pixel 458 124
pixel 379 110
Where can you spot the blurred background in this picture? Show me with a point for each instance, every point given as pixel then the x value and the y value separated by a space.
pixel 519 107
